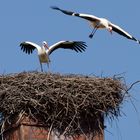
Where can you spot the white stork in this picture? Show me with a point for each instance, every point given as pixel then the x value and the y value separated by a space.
pixel 45 51
pixel 99 23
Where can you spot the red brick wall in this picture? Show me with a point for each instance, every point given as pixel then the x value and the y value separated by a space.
pixel 28 130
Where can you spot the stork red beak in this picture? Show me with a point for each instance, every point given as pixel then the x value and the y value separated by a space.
pixel 110 30
pixel 46 46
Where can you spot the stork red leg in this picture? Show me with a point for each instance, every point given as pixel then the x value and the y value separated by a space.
pixel 93 32
pixel 41 66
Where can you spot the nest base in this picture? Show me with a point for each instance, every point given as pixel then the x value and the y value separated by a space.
pixel 28 129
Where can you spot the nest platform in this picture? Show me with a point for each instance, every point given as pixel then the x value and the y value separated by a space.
pixel 68 104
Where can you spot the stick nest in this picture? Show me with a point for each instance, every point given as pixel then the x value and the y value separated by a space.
pixel 68 104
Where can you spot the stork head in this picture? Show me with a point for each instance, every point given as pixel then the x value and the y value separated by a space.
pixel 45 44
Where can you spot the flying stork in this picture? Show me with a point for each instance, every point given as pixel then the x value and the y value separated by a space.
pixel 44 51
pixel 99 23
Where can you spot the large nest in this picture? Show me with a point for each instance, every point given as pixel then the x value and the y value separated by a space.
pixel 68 104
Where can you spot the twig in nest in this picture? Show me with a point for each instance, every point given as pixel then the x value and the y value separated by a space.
pixel 66 101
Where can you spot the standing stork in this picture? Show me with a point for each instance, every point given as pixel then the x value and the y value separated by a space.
pixel 99 23
pixel 45 51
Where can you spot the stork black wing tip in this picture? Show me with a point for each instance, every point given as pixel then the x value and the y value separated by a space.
pixel 22 43
pixel 138 41
pixel 80 41
pixel 55 8
pixel 63 11
pixel 83 43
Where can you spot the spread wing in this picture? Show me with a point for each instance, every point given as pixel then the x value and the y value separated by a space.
pixel 78 46
pixel 84 16
pixel 122 32
pixel 29 47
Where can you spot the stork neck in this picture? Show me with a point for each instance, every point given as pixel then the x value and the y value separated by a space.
pixel 46 46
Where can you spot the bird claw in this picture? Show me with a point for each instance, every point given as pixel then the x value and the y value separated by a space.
pixel 91 35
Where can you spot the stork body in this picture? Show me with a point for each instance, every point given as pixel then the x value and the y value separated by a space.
pixel 99 23
pixel 45 51
pixel 43 57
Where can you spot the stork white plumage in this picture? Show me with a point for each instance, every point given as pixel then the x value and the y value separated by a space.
pixel 99 23
pixel 45 51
